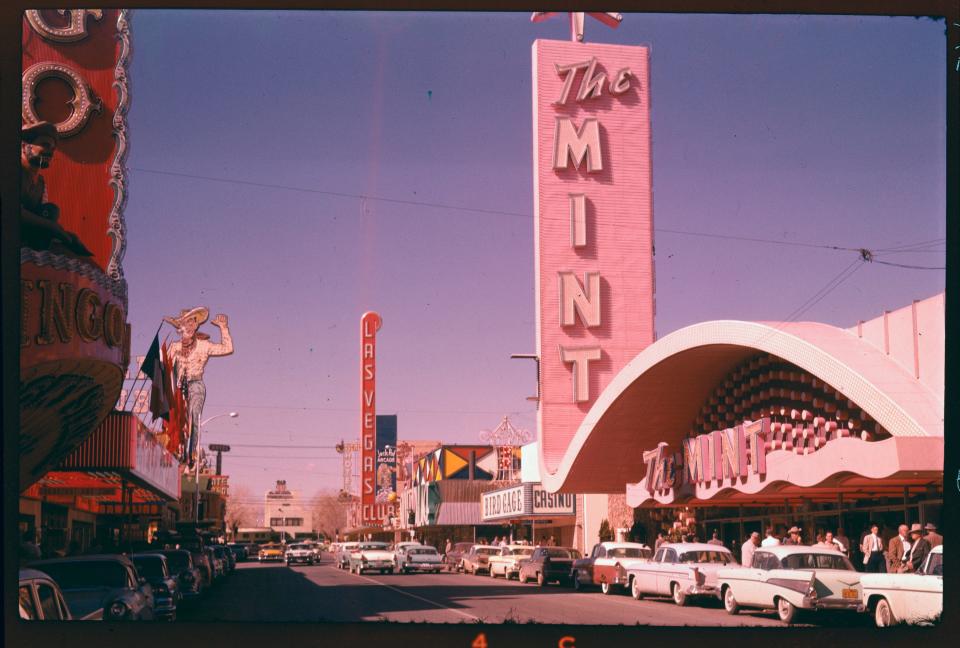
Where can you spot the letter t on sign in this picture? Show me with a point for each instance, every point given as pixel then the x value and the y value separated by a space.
pixel 580 357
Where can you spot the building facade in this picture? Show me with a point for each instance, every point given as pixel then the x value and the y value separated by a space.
pixel 284 513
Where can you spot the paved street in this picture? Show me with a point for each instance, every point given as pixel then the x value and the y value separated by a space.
pixel 324 593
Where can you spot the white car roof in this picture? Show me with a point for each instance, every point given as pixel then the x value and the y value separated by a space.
pixel 681 547
pixel 788 550
pixel 938 549
pixel 624 545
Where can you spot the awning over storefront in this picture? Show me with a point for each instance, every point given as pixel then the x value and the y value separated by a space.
pixel 120 451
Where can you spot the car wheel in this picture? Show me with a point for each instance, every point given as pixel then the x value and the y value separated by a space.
pixel 635 590
pixel 606 588
pixel 541 581
pixel 522 578
pixel 729 602
pixel 786 610
pixel 883 614
pixel 678 596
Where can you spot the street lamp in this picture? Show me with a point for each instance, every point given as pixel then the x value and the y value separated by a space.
pixel 535 357
pixel 197 475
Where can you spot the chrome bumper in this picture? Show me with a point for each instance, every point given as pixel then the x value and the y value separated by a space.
pixel 853 605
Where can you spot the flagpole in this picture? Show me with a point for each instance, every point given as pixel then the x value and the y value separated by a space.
pixel 137 376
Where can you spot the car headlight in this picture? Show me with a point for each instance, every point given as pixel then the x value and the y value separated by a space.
pixel 117 610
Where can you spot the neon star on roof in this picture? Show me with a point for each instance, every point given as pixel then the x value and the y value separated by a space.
pixel 608 18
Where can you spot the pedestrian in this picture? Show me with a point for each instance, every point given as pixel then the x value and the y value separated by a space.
pixel 503 541
pixel 750 546
pixel 822 543
pixel 552 542
pixel 898 551
pixel 872 549
pixel 831 542
pixel 715 540
pixel 919 550
pixel 842 542
pixel 771 539
pixel 934 538
pixel 496 540
pixel 449 546
pixel 793 536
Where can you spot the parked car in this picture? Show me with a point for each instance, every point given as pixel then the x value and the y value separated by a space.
pixel 217 562
pixel 224 554
pixel 270 551
pixel 41 598
pixel 680 570
pixel 400 551
pixel 906 598
pixel 478 558
pixel 453 559
pixel 201 560
pixel 547 564
pixel 419 558
pixel 239 551
pixel 299 553
pixel 166 593
pixel 105 585
pixel 790 578
pixel 343 554
pixel 371 556
pixel 506 563
pixel 180 564
pixel 605 566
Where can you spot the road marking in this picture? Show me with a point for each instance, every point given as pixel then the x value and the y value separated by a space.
pixel 425 600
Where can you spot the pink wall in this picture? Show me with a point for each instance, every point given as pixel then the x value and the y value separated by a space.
pixel 921 349
pixel 619 228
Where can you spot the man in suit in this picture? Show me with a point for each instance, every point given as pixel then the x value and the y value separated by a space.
pixel 920 549
pixel 872 549
pixel 934 538
pixel 897 550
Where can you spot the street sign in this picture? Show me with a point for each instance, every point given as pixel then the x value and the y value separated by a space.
pixel 219 447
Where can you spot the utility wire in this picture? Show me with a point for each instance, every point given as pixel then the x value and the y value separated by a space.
pixel 909 267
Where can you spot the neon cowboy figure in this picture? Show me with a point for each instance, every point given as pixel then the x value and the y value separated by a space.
pixel 190 354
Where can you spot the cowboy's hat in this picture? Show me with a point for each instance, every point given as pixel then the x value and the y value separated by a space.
pixel 930 526
pixel 916 528
pixel 794 530
pixel 200 314
pixel 30 132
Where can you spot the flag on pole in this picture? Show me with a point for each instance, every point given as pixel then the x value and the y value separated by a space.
pixel 153 368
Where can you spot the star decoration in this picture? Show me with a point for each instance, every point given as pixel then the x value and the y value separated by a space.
pixel 608 18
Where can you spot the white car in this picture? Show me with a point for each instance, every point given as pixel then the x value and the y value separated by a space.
pixel 342 557
pixel 507 562
pixel 789 578
pixel 400 551
pixel 906 598
pixel 680 570
pixel 371 556
pixel 299 553
pixel 607 564
pixel 420 558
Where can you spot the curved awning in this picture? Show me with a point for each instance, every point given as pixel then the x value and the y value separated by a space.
pixel 659 393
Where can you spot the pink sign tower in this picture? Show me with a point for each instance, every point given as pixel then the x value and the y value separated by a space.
pixel 593 226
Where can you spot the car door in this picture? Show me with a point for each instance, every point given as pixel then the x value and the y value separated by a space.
pixel 647 575
pixel 28 607
pixel 756 589
pixel 664 569
pixel 595 565
pixel 49 603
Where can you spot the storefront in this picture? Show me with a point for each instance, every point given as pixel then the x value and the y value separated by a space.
pixel 529 513
pixel 115 489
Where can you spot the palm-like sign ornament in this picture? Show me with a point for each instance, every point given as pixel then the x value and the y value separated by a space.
pixel 608 18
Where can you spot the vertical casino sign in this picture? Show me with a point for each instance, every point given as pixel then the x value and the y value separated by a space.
pixel 74 337
pixel 593 226
pixel 370 323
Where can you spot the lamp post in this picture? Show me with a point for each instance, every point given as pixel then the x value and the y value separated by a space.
pixel 199 429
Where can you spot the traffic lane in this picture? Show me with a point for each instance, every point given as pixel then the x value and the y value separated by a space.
pixel 498 600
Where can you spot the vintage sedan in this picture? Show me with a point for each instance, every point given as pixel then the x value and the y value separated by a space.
pixel 478 558
pixel 906 598
pixel 300 553
pixel 791 578
pixel 547 564
pixel 420 558
pixel 400 551
pixel 104 585
pixel 680 570
pixel 371 556
pixel 453 559
pixel 606 565
pixel 180 563
pixel 342 557
pixel 270 552
pixel 507 562
pixel 166 590
pixel 41 598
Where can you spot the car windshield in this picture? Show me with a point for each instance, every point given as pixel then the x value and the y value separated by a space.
pixel 522 551
pixel 563 553
pixel 488 551
pixel 422 550
pixel 177 561
pixel 300 546
pixel 721 557
pixel 629 552
pixel 816 561
pixel 935 565
pixel 84 574
pixel 374 546
pixel 149 568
